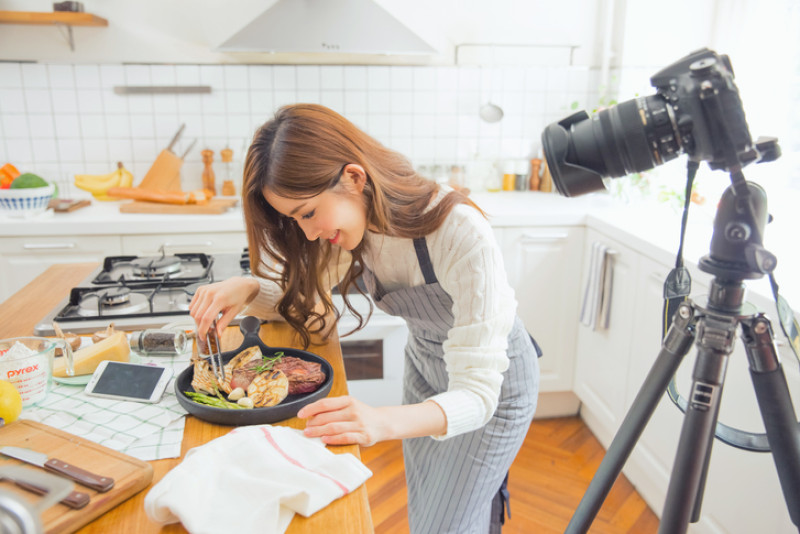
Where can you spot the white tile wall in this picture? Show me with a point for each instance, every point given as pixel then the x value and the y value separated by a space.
pixel 58 120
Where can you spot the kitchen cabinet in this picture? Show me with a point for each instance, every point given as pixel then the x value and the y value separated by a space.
pixel 24 258
pixel 543 266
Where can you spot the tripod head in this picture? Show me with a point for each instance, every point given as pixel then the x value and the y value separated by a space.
pixel 737 249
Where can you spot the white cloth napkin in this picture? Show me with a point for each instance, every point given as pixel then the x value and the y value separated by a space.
pixel 253 480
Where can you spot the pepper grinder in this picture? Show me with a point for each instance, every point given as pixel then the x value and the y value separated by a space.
pixel 228 189
pixel 535 180
pixel 208 172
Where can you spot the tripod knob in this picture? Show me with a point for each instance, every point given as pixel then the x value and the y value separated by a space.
pixel 764 260
pixel 768 149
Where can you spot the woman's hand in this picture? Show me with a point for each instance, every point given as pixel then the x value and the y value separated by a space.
pixel 228 297
pixel 344 420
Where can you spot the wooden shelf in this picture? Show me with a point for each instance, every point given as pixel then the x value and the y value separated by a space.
pixel 67 18
pixel 60 19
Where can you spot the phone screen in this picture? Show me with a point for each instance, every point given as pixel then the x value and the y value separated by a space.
pixel 137 381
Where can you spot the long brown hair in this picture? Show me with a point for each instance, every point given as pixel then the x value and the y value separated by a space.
pixel 300 153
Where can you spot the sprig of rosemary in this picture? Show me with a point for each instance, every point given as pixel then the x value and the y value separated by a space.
pixel 269 362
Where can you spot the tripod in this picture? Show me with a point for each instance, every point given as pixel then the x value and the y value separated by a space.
pixel 736 253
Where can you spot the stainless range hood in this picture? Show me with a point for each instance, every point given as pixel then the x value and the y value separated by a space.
pixel 327 26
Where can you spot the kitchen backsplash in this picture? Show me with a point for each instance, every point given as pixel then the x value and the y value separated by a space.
pixel 61 119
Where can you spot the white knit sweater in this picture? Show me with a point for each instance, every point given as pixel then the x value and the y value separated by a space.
pixel 468 264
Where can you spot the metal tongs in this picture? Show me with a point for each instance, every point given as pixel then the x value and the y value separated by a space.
pixel 214 354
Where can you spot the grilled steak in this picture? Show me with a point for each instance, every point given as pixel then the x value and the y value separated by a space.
pixel 304 376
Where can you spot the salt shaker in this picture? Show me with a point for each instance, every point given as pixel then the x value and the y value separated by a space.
pixel 164 342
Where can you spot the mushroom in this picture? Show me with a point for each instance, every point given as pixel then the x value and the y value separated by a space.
pixel 103 334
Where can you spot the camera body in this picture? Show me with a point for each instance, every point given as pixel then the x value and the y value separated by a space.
pixel 696 110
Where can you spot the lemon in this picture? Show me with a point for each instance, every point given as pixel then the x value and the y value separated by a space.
pixel 10 402
pixel 28 180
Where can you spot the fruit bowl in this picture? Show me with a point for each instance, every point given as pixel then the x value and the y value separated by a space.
pixel 25 202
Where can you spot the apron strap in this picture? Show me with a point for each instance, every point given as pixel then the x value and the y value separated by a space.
pixel 424 259
pixel 505 501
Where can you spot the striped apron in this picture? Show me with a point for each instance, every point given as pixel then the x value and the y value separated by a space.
pixel 457 485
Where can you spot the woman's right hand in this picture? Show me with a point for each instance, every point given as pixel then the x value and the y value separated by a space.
pixel 228 297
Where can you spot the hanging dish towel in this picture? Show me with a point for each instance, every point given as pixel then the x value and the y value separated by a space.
pixel 253 480
pixel 596 307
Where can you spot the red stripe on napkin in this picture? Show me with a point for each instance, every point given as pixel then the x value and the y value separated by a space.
pixel 274 443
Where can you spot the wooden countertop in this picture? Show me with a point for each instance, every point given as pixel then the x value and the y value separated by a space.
pixel 351 514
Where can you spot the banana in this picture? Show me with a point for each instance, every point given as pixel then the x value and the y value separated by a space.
pixel 99 184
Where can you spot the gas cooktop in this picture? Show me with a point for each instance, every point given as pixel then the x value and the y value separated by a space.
pixel 137 292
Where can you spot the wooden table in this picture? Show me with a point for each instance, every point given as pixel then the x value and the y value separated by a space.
pixel 350 514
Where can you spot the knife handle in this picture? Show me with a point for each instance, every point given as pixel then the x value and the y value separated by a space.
pixel 90 480
pixel 76 499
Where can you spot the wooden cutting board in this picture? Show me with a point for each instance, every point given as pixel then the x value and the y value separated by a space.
pixel 130 474
pixel 216 205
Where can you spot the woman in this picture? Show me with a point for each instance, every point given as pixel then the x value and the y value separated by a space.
pixel 325 203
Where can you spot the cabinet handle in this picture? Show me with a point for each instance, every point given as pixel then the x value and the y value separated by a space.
pixel 47 246
pixel 203 244
pixel 543 238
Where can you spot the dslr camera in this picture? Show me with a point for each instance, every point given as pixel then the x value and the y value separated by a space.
pixel 696 110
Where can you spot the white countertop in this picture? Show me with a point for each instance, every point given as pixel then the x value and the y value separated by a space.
pixel 104 218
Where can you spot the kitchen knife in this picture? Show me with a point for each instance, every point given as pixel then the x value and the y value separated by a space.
pixel 75 500
pixel 185 152
pixel 176 137
pixel 81 476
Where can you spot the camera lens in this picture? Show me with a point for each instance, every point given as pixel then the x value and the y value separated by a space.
pixel 632 136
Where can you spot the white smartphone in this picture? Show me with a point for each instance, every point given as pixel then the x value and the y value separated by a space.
pixel 129 381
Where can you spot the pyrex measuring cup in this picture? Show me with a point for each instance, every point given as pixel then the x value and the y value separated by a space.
pixel 27 362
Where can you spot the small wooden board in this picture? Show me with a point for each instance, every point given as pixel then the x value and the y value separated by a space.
pixel 130 474
pixel 216 205
pixel 60 205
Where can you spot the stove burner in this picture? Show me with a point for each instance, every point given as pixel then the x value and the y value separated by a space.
pixel 191 289
pixel 115 295
pixel 112 302
pixel 156 267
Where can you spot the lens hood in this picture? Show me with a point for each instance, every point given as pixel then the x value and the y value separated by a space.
pixel 570 179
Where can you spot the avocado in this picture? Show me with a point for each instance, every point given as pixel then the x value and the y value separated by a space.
pixel 27 181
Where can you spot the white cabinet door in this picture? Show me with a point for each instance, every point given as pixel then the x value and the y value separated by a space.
pixel 603 355
pixel 200 243
pixel 543 266
pixel 24 258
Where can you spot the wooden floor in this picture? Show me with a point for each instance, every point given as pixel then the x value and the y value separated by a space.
pixel 547 480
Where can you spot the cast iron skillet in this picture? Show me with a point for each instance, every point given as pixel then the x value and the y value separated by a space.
pixel 256 416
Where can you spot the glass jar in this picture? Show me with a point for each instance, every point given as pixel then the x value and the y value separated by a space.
pixel 155 341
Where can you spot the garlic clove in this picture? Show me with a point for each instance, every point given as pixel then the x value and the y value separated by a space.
pixel 236 394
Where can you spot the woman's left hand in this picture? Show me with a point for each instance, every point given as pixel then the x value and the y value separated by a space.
pixel 343 421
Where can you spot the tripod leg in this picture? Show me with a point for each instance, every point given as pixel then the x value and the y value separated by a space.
pixel 689 471
pixel 777 411
pixel 676 344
